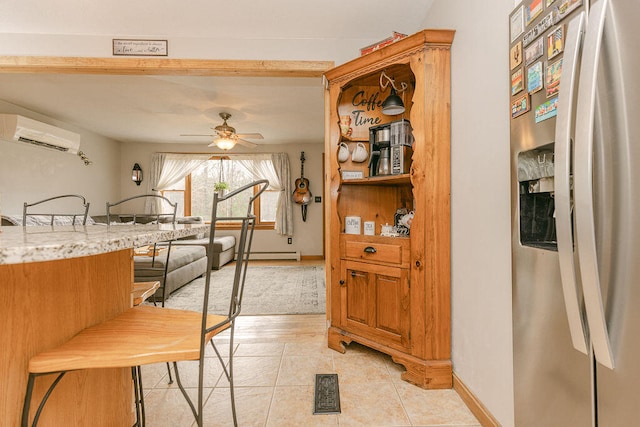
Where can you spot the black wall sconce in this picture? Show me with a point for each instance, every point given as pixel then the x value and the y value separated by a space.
pixel 136 174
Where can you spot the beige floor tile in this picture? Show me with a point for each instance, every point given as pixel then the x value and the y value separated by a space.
pixel 293 406
pixel 374 404
pixel 276 359
pixel 254 372
pixel 189 374
pixel 361 367
pixel 302 370
pixel 252 407
pixel 223 348
pixel 395 370
pixel 153 374
pixel 259 349
pixel 311 347
pixel 435 407
pixel 168 407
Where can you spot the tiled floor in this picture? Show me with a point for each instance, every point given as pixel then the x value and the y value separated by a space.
pixel 276 359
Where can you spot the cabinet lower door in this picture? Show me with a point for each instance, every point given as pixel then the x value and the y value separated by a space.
pixel 375 303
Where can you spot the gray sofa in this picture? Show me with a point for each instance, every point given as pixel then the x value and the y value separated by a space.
pixel 187 258
pixel 224 248
pixel 185 264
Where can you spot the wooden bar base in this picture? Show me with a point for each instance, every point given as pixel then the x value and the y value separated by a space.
pixel 45 304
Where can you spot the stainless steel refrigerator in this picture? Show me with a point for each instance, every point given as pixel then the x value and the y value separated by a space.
pixel 575 155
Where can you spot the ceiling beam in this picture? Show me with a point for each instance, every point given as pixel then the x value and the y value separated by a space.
pixel 163 66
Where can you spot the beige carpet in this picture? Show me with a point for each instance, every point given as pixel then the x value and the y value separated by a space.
pixel 268 290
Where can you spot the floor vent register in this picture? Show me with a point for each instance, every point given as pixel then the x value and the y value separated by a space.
pixel 327 394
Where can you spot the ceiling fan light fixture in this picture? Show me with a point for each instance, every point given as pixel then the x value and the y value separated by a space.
pixel 225 143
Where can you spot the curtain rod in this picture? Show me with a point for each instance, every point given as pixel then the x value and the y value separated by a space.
pixel 224 154
pixel 221 154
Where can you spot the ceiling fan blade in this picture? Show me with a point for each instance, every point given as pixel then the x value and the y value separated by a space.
pixel 247 144
pixel 189 134
pixel 250 135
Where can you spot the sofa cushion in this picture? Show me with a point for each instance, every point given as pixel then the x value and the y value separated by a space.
pixel 220 244
pixel 180 256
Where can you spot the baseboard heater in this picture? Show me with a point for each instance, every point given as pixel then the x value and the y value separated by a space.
pixel 275 255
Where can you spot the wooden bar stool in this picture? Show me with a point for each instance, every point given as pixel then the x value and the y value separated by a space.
pixel 148 334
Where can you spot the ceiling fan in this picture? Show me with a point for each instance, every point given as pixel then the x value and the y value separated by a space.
pixel 227 137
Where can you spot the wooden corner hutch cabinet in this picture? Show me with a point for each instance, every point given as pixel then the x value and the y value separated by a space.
pixel 392 293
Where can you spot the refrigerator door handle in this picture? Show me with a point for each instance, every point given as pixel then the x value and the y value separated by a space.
pixel 562 188
pixel 583 186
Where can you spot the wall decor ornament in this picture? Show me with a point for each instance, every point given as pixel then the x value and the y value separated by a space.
pixel 535 77
pixel 555 42
pixel 515 56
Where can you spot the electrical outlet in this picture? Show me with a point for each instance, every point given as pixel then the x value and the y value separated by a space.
pixel 290 240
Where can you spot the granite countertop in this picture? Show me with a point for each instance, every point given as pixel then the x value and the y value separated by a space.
pixel 48 243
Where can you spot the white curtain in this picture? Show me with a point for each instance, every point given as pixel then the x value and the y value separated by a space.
pixel 168 169
pixel 275 168
pixel 284 214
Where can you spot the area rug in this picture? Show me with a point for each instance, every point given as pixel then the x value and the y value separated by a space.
pixel 268 290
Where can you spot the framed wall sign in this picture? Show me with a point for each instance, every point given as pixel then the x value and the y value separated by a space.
pixel 129 47
pixel 352 175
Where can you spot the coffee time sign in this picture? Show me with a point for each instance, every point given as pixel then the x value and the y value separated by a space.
pixel 360 107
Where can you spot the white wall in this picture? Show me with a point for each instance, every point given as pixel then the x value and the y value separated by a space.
pixel 241 29
pixel 307 238
pixel 29 174
pixel 480 202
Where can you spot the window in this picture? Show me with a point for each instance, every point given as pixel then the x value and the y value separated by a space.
pixel 195 193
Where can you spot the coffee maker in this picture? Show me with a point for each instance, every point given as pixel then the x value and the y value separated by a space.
pixel 390 148
pixel 401 142
pixel 379 138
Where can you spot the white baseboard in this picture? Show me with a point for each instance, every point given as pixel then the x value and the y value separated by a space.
pixel 275 255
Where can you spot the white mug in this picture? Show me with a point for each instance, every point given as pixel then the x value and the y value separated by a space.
pixel 343 152
pixel 359 154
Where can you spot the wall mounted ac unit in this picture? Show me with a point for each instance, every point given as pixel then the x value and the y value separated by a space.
pixel 24 130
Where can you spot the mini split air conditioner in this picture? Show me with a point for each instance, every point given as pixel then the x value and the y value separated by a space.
pixel 21 129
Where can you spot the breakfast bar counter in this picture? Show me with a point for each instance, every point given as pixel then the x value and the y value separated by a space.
pixel 54 282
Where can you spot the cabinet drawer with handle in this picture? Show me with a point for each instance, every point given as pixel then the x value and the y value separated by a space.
pixel 371 249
